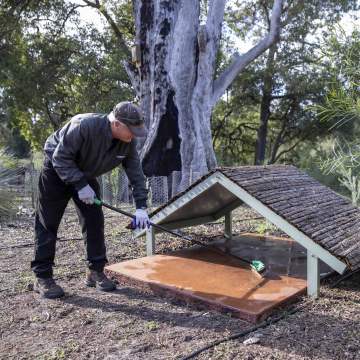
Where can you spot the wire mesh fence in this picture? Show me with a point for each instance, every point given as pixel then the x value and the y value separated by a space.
pixel 115 187
pixel 11 189
pixel 31 180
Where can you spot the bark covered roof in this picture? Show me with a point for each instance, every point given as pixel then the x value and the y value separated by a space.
pixel 326 217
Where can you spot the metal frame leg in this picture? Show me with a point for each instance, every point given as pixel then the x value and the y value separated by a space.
pixel 150 241
pixel 313 275
pixel 228 226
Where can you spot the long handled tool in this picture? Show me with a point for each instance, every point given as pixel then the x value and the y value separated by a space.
pixel 256 265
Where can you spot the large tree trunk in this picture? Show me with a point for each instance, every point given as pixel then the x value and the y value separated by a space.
pixel 174 80
pixel 260 150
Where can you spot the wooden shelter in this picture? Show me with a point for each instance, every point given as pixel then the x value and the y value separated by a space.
pixel 319 219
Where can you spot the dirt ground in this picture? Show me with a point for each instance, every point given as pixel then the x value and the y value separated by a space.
pixel 128 324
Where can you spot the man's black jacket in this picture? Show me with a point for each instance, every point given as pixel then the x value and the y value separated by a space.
pixel 84 149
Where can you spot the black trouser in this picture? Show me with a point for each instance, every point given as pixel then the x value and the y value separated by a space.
pixel 54 195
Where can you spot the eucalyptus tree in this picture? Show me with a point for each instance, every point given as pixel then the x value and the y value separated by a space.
pixel 173 73
pixel 291 75
pixel 54 66
pixel 174 78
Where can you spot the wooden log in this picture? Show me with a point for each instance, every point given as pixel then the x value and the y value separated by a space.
pixel 269 177
pixel 281 186
pixel 309 207
pixel 351 232
pixel 283 205
pixel 318 224
pixel 326 214
pixel 248 176
pixel 273 196
pixel 335 235
pixel 310 197
pixel 353 248
pixel 345 247
pixel 339 223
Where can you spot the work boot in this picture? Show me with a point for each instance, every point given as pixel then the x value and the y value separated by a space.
pixel 99 280
pixel 48 288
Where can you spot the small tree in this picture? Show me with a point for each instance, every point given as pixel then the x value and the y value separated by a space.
pixel 8 174
pixel 345 165
pixel 342 107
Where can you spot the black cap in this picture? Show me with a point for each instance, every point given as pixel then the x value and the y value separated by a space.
pixel 130 115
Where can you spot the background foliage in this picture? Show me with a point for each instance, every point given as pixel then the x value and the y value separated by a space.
pixel 290 105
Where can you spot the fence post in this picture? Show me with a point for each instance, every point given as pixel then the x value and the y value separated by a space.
pixel 176 179
pixel 159 190
pixel 123 187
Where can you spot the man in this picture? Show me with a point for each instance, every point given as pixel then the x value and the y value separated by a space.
pixel 87 146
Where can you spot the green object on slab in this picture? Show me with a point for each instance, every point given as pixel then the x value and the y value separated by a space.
pixel 258 266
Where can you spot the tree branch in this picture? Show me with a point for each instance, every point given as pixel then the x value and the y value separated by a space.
pixel 49 114
pixel 287 150
pixel 263 4
pixel 279 138
pixel 22 4
pixel 111 22
pixel 215 17
pixel 70 12
pixel 216 131
pixel 239 62
pixel 286 96
pixel 208 41
pixel 209 37
pixel 133 74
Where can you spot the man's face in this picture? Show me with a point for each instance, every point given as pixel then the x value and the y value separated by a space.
pixel 122 132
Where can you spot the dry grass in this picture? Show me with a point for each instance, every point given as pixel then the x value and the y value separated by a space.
pixel 128 324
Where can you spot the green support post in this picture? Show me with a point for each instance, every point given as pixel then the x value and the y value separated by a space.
pixel 228 226
pixel 150 241
pixel 313 275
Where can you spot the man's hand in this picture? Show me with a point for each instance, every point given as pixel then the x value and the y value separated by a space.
pixel 141 220
pixel 87 194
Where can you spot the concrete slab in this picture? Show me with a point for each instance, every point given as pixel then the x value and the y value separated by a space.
pixel 210 280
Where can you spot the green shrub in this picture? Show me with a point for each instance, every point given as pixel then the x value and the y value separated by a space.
pixel 8 173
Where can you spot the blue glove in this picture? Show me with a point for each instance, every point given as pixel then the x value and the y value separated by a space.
pixel 141 220
pixel 87 194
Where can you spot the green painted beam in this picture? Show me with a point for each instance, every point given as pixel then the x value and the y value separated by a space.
pixel 150 241
pixel 228 226
pixel 181 201
pixel 313 275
